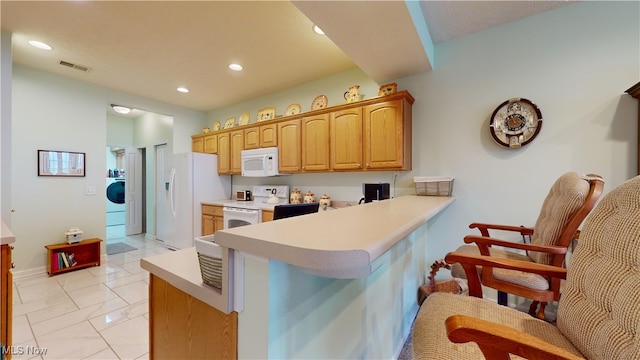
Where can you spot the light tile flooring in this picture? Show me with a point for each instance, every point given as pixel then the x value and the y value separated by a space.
pixel 94 313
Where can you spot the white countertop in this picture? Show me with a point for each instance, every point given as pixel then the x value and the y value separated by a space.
pixel 181 269
pixel 6 236
pixel 337 244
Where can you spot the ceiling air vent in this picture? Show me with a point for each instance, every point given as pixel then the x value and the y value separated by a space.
pixel 74 66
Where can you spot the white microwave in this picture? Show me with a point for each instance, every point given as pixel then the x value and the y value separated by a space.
pixel 260 162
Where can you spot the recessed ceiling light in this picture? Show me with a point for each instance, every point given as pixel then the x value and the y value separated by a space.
pixel 235 67
pixel 317 30
pixel 40 45
pixel 121 109
pixel 183 89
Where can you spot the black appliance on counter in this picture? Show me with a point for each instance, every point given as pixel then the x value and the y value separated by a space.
pixel 374 192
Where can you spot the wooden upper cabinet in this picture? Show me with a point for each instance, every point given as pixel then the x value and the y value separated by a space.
pixel 197 144
pixel 268 135
pixel 289 146
pixel 387 135
pixel 252 138
pixel 224 153
pixel 237 145
pixel 371 134
pixel 315 143
pixel 346 139
pixel 211 144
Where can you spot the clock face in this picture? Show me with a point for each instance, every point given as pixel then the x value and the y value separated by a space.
pixel 515 122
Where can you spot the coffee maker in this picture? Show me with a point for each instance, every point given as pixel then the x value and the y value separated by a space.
pixel 374 192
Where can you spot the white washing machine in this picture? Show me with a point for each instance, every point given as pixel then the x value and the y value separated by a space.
pixel 115 201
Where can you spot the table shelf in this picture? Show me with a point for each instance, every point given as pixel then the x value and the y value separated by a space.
pixel 86 254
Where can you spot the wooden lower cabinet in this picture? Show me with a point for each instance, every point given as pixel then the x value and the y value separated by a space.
pixel 6 300
pixel 183 327
pixel 267 215
pixel 212 219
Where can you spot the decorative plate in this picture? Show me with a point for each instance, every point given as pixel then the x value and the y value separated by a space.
pixel 293 109
pixel 320 102
pixel 230 122
pixel 388 89
pixel 267 114
pixel 244 118
pixel 216 126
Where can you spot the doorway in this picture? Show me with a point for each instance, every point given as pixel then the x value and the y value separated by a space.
pixel 125 192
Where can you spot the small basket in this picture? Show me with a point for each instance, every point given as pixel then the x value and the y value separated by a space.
pixel 433 185
pixel 210 259
pixel 454 286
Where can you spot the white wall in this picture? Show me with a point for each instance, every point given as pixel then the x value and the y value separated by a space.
pixel 57 113
pixel 5 126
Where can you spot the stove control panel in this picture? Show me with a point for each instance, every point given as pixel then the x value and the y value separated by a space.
pixel 262 192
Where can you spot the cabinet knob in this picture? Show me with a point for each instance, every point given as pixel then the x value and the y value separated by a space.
pixel 11 247
pixel 13 266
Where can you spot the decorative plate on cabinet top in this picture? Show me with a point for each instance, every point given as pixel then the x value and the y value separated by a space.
pixel 244 118
pixel 293 109
pixel 266 114
pixel 230 122
pixel 216 126
pixel 320 102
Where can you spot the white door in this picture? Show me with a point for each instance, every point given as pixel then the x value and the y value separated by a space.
pixel 163 207
pixel 133 191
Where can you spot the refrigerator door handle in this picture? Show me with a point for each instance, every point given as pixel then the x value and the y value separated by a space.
pixel 172 187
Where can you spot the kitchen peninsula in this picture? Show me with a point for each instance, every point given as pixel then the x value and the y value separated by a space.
pixel 336 284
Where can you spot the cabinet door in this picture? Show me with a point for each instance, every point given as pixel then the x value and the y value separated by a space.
pixel 218 223
pixel 252 138
pixel 387 136
pixel 237 145
pixel 289 146
pixel 6 298
pixel 315 143
pixel 346 139
pixel 268 135
pixel 197 144
pixel 224 156
pixel 208 225
pixel 211 144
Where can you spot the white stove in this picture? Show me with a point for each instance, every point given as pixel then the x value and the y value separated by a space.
pixel 241 213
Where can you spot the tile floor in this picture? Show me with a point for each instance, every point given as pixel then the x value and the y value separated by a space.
pixel 94 313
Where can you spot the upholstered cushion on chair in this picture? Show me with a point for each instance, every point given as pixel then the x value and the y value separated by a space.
pixel 566 196
pixel 430 335
pixel 600 306
pixel 532 281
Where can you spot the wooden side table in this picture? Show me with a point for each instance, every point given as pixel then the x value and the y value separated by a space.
pixel 86 253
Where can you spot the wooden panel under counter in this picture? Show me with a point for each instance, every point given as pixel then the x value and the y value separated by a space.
pixel 183 327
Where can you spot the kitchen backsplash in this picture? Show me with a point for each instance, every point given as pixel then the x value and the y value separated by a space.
pixel 344 187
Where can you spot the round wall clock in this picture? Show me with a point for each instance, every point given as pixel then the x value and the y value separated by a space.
pixel 515 122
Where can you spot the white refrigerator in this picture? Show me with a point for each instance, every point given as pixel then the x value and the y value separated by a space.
pixel 192 178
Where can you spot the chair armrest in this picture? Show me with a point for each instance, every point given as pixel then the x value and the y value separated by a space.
pixel 497 341
pixel 551 249
pixel 469 263
pixel 484 228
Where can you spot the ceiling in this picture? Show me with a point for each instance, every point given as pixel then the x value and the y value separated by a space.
pixel 149 48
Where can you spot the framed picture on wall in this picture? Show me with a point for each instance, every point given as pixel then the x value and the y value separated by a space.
pixel 60 163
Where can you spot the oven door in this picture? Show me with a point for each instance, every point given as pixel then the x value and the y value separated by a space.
pixel 234 217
